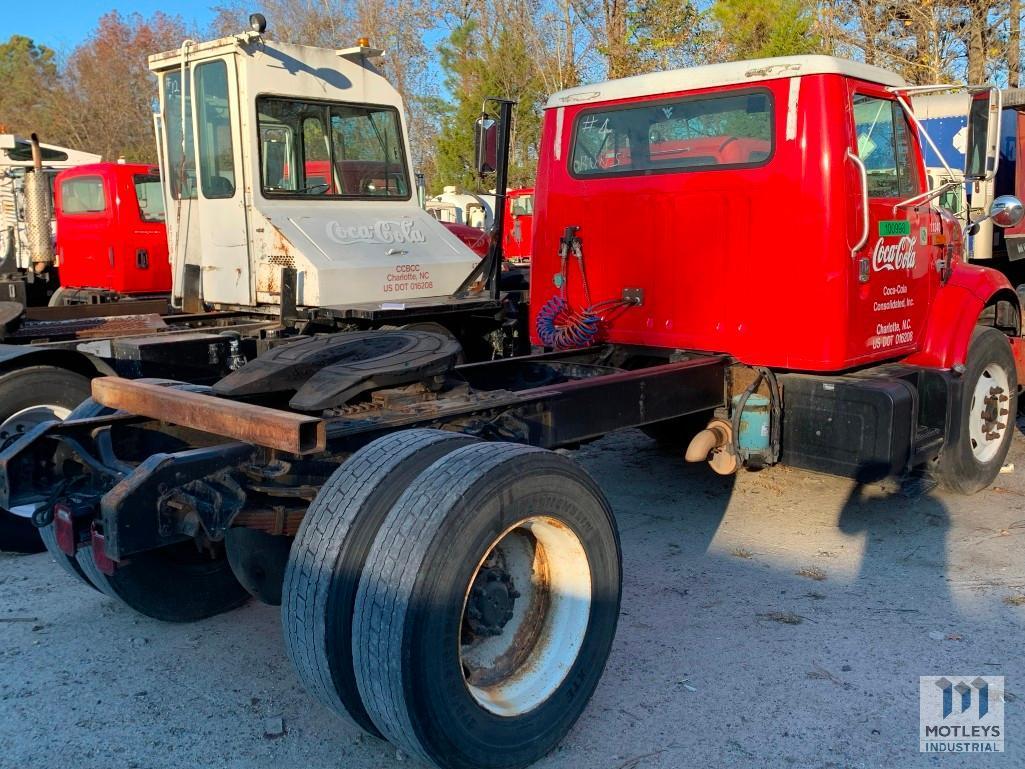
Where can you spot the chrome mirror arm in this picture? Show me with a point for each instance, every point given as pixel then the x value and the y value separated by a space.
pixel 925 197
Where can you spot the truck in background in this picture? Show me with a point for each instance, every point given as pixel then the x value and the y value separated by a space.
pixel 112 238
pixel 345 249
pixel 945 118
pixel 468 209
pixel 27 224
pixel 461 207
pixel 518 238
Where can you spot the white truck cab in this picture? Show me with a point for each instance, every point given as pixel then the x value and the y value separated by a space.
pixel 285 156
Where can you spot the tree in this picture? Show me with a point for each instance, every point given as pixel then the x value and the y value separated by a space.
pixel 490 54
pixel 753 29
pixel 671 33
pixel 28 74
pixel 107 94
pixel 397 26
pixel 1014 44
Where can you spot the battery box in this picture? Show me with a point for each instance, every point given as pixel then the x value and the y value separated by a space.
pixel 859 428
pixel 191 356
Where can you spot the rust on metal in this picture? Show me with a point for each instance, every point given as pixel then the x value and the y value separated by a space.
pixel 258 425
pixel 278 520
pixel 281 254
pixel 99 310
pixel 90 328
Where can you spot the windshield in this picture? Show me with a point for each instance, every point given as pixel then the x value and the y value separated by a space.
pixel 331 150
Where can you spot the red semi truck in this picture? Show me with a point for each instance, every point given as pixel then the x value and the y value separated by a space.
pixel 111 237
pixel 446 580
pixel 518 237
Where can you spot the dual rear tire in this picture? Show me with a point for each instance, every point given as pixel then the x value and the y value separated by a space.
pixel 462 607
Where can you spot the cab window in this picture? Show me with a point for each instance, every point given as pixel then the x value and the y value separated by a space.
pixel 724 130
pixel 884 144
pixel 216 157
pixel 181 165
pixel 83 195
pixel 522 205
pixel 150 196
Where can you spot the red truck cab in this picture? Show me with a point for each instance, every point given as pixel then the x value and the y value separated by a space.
pixel 755 210
pixel 519 225
pixel 111 232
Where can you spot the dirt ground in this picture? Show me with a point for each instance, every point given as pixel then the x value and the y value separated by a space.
pixel 778 619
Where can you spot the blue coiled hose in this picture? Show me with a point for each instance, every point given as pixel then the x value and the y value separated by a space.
pixel 561 327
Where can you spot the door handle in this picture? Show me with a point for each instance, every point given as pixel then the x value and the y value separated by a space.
pixel 863 175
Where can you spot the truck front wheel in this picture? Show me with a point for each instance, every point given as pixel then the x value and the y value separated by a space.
pixel 487 608
pixel 28 397
pixel 978 445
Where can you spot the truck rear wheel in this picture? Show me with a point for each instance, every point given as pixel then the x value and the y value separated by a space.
pixel 180 583
pixel 977 447
pixel 66 562
pixel 328 555
pixel 487 607
pixel 28 397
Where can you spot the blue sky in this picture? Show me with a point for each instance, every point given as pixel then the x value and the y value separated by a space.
pixel 62 24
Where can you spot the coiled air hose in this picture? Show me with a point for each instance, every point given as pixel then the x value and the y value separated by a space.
pixel 560 325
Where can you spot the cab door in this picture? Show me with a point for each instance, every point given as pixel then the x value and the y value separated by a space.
pixel 224 242
pixel 894 270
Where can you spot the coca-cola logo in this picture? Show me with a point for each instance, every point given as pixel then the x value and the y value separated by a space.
pixel 385 231
pixel 894 256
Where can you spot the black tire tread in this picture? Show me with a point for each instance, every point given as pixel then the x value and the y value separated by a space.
pixel 18 534
pixel 319 543
pixel 956 469
pixel 391 571
pixel 68 564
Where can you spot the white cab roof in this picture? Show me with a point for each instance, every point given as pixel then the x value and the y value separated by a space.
pixel 732 73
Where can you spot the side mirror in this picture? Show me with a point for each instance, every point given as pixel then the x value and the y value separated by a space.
pixel 981 143
pixel 485 144
pixel 1007 211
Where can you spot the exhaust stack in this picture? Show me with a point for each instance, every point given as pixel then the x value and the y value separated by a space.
pixel 38 214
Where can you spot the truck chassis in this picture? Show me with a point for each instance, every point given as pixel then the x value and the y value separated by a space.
pixel 420 513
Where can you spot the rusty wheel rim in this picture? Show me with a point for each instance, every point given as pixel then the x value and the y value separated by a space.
pixel 988 413
pixel 525 615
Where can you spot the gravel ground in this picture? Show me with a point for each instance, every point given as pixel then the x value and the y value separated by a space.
pixel 875 586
